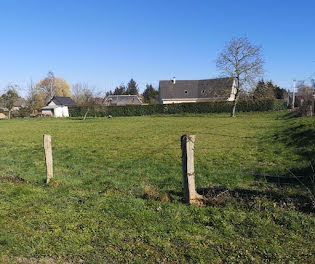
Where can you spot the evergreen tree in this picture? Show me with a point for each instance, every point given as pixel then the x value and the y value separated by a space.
pixel 268 90
pixel 259 90
pixel 132 88
pixel 109 93
pixel 150 95
pixel 120 90
pixel 280 93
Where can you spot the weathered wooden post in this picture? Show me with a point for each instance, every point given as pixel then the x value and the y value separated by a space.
pixel 48 158
pixel 190 194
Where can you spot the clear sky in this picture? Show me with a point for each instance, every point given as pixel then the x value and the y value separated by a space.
pixel 105 43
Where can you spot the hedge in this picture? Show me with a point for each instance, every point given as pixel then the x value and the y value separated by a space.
pixel 208 107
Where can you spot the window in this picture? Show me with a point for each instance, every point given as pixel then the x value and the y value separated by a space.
pixel 186 92
pixel 203 91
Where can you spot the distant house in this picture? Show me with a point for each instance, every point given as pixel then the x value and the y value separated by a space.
pixel 19 104
pixel 3 107
pixel 120 100
pixel 192 91
pixel 58 107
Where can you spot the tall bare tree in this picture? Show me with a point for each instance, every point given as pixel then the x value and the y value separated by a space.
pixel 83 94
pixel 34 99
pixel 53 86
pixel 242 61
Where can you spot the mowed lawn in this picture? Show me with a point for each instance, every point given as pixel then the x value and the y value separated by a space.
pixel 116 196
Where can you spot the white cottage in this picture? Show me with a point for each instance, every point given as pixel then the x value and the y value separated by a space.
pixel 58 107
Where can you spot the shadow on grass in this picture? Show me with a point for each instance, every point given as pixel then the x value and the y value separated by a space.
pixel 256 199
pixel 241 198
pixel 296 176
pixel 299 137
pixel 290 115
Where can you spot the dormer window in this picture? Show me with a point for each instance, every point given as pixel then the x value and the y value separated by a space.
pixel 186 92
pixel 203 91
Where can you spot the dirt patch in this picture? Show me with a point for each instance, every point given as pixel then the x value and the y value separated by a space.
pixel 13 179
pixel 17 260
pixel 112 191
pixel 256 199
pixel 151 194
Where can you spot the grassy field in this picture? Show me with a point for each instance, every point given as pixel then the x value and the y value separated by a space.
pixel 116 196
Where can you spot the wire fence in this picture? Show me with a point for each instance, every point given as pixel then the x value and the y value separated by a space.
pixel 128 168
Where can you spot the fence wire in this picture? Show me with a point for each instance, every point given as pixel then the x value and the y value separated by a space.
pixel 27 161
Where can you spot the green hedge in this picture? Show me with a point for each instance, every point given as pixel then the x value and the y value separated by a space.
pixel 209 107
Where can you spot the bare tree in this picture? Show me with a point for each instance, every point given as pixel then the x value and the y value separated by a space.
pixel 82 94
pixel 305 98
pixel 242 61
pixel 32 97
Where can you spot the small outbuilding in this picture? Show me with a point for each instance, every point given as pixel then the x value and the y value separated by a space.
pixel 58 107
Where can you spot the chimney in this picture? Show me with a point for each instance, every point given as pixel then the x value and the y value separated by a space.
pixel 174 80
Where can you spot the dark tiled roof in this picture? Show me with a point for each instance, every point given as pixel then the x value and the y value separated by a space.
pixel 211 88
pixel 122 100
pixel 59 100
pixel 20 102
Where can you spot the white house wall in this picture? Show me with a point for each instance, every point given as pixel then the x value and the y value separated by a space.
pixel 185 100
pixel 65 111
pixel 58 112
pixel 190 100
pixel 61 111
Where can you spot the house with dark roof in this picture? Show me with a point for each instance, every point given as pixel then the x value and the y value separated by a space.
pixel 120 100
pixel 192 91
pixel 58 107
pixel 18 104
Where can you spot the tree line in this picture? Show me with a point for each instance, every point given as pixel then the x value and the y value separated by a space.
pixel 149 96
pixel 83 94
pixel 40 93
pixel 239 59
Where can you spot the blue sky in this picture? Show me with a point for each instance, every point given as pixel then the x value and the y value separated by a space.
pixel 105 43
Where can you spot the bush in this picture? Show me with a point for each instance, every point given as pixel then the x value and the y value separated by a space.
pixel 307 108
pixel 208 107
pixel 22 113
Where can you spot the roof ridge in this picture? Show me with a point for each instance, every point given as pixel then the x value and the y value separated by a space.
pixel 219 78
pixel 123 95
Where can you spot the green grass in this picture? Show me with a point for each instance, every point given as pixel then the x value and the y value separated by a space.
pixel 95 210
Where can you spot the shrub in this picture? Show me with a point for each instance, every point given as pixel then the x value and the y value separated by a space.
pixel 208 107
pixel 306 108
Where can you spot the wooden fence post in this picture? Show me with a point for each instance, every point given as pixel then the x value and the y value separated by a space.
pixel 190 194
pixel 48 158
